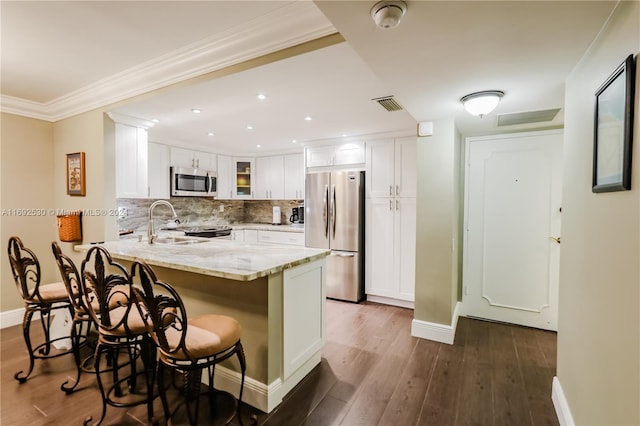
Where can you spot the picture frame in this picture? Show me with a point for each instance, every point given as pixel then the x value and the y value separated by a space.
pixel 76 184
pixel 613 132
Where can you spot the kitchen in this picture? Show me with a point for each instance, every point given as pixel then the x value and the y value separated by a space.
pixel 433 301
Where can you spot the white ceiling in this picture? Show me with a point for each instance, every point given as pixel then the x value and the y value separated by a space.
pixel 60 58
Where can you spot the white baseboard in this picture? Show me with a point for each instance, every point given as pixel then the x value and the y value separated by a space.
pixel 561 405
pixel 437 332
pixel 257 394
pixel 11 318
pixel 390 301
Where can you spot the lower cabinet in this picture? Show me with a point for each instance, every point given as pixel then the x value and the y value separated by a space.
pixel 278 237
pixel 390 250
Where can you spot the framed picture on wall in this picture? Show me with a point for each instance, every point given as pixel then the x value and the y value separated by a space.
pixel 613 133
pixel 76 174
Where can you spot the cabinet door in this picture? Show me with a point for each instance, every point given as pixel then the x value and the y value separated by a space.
pixel 405 247
pixel 379 267
pixel 181 157
pixel 250 236
pixel 349 153
pixel 294 177
pixel 131 162
pixel 320 156
pixel 380 169
pixel 244 180
pixel 276 177
pixel 158 170
pixel 237 235
pixel 205 161
pixel 226 177
pixel 405 167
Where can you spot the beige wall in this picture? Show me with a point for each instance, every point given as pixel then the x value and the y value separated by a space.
pixel 599 309
pixel 437 224
pixel 27 151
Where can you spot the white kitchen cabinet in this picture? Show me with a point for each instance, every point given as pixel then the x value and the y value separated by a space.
pixel 158 171
pixel 235 178
pixel 349 153
pixel 225 178
pixel 269 178
pixel 182 157
pixel 390 250
pixel 294 177
pixel 131 161
pixel 278 237
pixel 391 168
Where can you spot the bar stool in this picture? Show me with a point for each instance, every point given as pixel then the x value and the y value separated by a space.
pixel 106 284
pixel 186 345
pixel 38 298
pixel 82 321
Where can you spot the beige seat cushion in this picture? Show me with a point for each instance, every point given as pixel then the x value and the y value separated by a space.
pixel 206 335
pixel 135 323
pixel 51 293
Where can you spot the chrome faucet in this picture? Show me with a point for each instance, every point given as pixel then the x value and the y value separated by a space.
pixel 151 235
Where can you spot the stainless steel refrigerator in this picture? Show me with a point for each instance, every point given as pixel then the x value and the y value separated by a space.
pixel 334 219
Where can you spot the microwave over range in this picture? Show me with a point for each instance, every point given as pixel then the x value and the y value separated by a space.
pixel 186 182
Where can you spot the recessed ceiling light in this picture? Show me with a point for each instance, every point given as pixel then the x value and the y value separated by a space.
pixel 294 141
pixel 195 110
pixel 344 135
pixel 258 146
pixel 210 133
pixel 261 96
pixel 308 118
pixel 249 127
pixel 155 120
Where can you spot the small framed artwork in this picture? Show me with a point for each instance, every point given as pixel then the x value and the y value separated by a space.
pixel 613 133
pixel 75 174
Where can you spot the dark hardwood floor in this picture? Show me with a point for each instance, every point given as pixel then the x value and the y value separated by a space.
pixel 372 373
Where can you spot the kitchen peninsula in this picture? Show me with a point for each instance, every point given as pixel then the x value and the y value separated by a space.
pixel 276 292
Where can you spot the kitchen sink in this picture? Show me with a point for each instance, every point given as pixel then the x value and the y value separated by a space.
pixel 178 240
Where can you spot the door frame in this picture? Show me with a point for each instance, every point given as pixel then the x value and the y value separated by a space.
pixel 467 164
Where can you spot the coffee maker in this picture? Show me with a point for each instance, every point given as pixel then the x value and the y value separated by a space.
pixel 297 214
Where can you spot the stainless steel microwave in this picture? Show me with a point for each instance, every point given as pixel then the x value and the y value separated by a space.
pixel 186 182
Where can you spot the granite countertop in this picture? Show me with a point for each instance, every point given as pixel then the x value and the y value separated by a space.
pixel 235 260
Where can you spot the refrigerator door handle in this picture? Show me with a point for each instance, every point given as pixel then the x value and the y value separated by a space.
pixel 343 254
pixel 333 210
pixel 325 211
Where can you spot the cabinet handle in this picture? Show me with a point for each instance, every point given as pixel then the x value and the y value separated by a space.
pixel 390 204
pixel 397 208
pixel 390 190
pixel 266 193
pixel 197 163
pixel 397 189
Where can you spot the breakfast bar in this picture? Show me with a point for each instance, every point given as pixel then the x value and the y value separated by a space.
pixel 276 292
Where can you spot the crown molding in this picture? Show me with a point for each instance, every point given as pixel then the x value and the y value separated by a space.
pixel 294 24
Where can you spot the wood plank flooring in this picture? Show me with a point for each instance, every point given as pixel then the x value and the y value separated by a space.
pixel 372 373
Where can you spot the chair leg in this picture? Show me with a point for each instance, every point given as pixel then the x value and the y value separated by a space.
pixel 76 335
pixel 243 369
pixel 103 394
pixel 26 326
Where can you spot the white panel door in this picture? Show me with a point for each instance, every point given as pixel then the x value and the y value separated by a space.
pixel 380 169
pixel 379 247
pixel 406 154
pixel 513 190
pixel 405 247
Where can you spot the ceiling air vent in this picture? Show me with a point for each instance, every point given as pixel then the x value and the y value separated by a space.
pixel 527 117
pixel 388 103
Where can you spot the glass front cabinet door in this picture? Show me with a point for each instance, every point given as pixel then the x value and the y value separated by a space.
pixel 244 180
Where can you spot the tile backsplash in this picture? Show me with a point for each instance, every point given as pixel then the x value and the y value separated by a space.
pixel 198 211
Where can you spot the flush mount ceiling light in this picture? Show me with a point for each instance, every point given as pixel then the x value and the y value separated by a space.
pixel 387 14
pixel 481 103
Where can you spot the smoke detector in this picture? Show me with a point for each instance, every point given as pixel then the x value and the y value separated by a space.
pixel 387 14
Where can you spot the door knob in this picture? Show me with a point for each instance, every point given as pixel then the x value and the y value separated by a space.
pixel 556 239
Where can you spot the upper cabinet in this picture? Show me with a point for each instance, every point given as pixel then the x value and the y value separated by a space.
pixel 236 178
pixel 336 155
pixel 182 157
pixel 158 170
pixel 391 168
pixel 269 178
pixel 294 177
pixel 131 156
